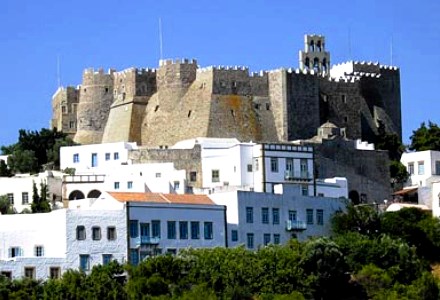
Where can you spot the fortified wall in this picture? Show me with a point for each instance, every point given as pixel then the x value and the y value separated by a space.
pixel 179 100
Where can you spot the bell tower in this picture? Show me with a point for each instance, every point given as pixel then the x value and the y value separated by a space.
pixel 314 57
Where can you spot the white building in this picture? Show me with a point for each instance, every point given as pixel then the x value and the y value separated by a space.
pixel 167 223
pixel 257 219
pixel 19 188
pixel 45 245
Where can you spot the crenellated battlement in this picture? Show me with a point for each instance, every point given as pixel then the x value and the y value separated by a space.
pixel 99 71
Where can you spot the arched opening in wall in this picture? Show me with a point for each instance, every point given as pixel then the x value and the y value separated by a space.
pixel 312 46
pixel 318 46
pixel 316 64
pixel 76 195
pixel 307 63
pixel 354 197
pixel 94 194
pixel 324 65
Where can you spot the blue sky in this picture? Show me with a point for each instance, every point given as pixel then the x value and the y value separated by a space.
pixel 260 34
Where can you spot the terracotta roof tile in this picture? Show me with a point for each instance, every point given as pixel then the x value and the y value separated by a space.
pixel 162 198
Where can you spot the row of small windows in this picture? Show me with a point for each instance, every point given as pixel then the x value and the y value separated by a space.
pixel 24 198
pixel 18 251
pixel 319 46
pixel 117 185
pixel 96 233
pixel 173 227
pixel 250 243
pixel 30 272
pixel 95 157
pixel 84 261
pixel 289 166
pixel 265 216
pixel 257 106
pixel 77 195
pixel 421 168
pixel 282 147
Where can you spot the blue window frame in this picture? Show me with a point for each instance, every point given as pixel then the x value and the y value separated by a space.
pixel 155 228
pixel 107 156
pixel 116 156
pixel 116 185
pixel 276 215
pixel 145 229
pixel 106 259
pixel 195 230
pixel 134 228
pixel 208 231
pixel 265 215
pixel 94 159
pixel 249 215
pixel 234 235
pixel 84 262
pixel 309 216
pixel 171 232
pixel 134 257
pixel 276 239
pixel 129 185
pixel 250 240
pixel 76 158
pixel 266 239
pixel 183 230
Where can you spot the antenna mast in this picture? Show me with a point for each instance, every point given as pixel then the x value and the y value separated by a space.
pixel 160 38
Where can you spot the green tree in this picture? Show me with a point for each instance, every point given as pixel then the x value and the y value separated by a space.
pixel 4 170
pixel 40 203
pixel 363 219
pixel 426 138
pixel 35 149
pixel 6 207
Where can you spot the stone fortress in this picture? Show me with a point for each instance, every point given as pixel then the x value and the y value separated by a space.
pixel 180 100
pixel 159 107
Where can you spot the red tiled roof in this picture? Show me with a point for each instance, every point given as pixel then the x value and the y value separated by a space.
pixel 162 198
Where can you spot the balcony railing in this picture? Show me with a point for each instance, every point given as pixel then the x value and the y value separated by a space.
pixel 147 240
pixel 295 225
pixel 297 176
pixel 83 178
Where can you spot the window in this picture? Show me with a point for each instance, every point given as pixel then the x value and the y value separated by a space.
pixel 145 229
pixel 176 185
pixel 96 233
pixel 84 262
pixel 15 251
pixel 111 233
pixel 304 168
pixel 134 257
pixel 266 239
pixel 208 230
pixel 304 190
pixel 234 235
pixel 309 216
pixel 29 272
pixel 437 167
pixel 76 158
pixel 155 228
pixel 289 168
pixel 72 124
pixel 134 228
pixel 265 215
pixel 276 239
pixel 192 176
pixel 39 251
pixel 172 251
pixel 116 185
pixel 6 274
pixel 106 259
pixel 107 156
pixel 249 215
pixel 250 240
pixel 183 230
pixel 129 185
pixel 171 230
pixel 344 98
pixel 54 272
pixel 94 159
pixel 11 198
pixel 276 215
pixel 25 198
pixel 215 176
pixel 421 167
pixel 116 155
pixel 319 217
pixel 267 106
pixel 274 164
pixel 80 233
pixel 63 109
pixel 249 168
pixel 158 175
pixel 256 164
pixel 411 168
pixel 195 230
pixel 292 215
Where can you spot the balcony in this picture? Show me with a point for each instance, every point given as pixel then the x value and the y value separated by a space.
pixel 297 176
pixel 84 178
pixel 295 225
pixel 147 240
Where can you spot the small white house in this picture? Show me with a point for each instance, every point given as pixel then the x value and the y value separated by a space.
pixel 257 219
pixel 19 189
pixel 167 223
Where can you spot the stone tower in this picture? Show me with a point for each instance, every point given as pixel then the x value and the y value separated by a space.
pixel 64 110
pixel 314 57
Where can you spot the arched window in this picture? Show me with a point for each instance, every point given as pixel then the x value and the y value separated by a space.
pixel 312 46
pixel 76 195
pixel 318 46
pixel 307 63
pixel 94 194
pixel 316 64
pixel 354 197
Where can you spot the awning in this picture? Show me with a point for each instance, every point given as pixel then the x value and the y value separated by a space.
pixel 405 192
